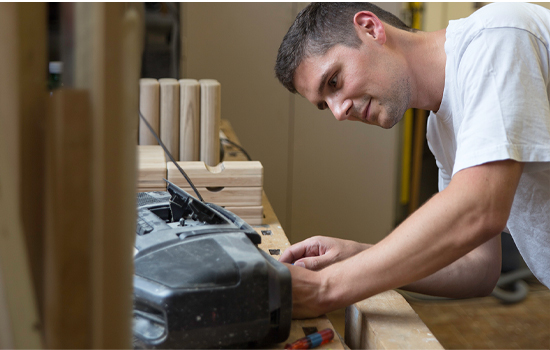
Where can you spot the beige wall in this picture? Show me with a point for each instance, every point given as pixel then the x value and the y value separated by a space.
pixel 321 176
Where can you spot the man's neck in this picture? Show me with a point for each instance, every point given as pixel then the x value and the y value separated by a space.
pixel 425 54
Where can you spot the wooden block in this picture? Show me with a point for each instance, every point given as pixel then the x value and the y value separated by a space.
pixel 251 211
pixel 210 121
pixel 253 215
pixel 225 174
pixel 22 109
pixel 170 115
pixel 68 298
pixel 387 321
pixel 190 100
pixel 229 196
pixel 151 167
pixel 149 105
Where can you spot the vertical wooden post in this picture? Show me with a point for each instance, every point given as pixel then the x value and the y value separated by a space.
pixel 115 175
pixel 189 120
pixel 149 106
pixel 23 72
pixel 210 121
pixel 170 115
pixel 68 289
pixel 114 45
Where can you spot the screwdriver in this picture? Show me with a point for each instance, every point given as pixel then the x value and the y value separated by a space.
pixel 313 340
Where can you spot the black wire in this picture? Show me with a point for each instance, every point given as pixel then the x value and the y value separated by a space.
pixel 239 147
pixel 171 158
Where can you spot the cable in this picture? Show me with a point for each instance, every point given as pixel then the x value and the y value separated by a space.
pixel 520 287
pixel 239 147
pixel 171 158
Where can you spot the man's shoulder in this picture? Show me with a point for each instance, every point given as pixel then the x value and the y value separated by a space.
pixel 523 16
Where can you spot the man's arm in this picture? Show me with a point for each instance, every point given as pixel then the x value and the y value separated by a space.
pixel 472 210
pixel 473 275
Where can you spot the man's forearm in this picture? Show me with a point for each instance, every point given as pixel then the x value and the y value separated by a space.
pixel 451 224
pixel 473 275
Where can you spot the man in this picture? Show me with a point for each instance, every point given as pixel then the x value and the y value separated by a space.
pixel 486 81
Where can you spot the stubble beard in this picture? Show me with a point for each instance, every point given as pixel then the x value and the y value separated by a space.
pixel 397 102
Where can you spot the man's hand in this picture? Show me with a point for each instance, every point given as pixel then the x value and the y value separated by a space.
pixel 318 252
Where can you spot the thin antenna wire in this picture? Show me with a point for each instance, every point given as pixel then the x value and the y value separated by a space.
pixel 239 147
pixel 170 156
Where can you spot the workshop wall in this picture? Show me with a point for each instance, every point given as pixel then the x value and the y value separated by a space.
pixel 321 176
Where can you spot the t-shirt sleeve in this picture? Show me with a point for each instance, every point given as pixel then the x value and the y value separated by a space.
pixel 503 79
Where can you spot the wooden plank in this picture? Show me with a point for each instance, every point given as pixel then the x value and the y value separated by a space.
pixel 149 105
pixel 67 260
pixel 114 44
pixel 227 174
pixel 210 121
pixel 190 99
pixel 229 196
pixel 170 115
pixel 387 321
pixel 22 97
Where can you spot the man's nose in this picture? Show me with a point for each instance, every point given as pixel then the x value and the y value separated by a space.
pixel 340 108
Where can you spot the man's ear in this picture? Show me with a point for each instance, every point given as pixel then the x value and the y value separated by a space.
pixel 366 23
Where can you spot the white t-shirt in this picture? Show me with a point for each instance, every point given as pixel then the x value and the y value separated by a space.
pixel 496 106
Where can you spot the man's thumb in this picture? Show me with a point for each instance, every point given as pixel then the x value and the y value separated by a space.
pixel 312 263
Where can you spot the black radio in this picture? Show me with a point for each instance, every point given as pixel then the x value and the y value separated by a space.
pixel 201 281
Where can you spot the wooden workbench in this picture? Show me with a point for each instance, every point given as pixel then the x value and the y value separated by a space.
pixel 385 321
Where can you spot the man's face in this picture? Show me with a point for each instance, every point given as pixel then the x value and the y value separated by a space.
pixel 359 84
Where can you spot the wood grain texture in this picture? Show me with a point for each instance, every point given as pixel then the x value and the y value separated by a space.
pixel 113 43
pixel 149 105
pixel 387 321
pixel 250 211
pixel 22 111
pixel 210 121
pixel 253 215
pixel 190 117
pixel 229 196
pixel 68 298
pixel 227 174
pixel 151 162
pixel 170 115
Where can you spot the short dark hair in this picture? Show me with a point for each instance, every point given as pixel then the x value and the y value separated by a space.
pixel 318 28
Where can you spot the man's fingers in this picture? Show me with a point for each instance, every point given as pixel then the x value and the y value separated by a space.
pixel 309 247
pixel 314 263
pixel 293 253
